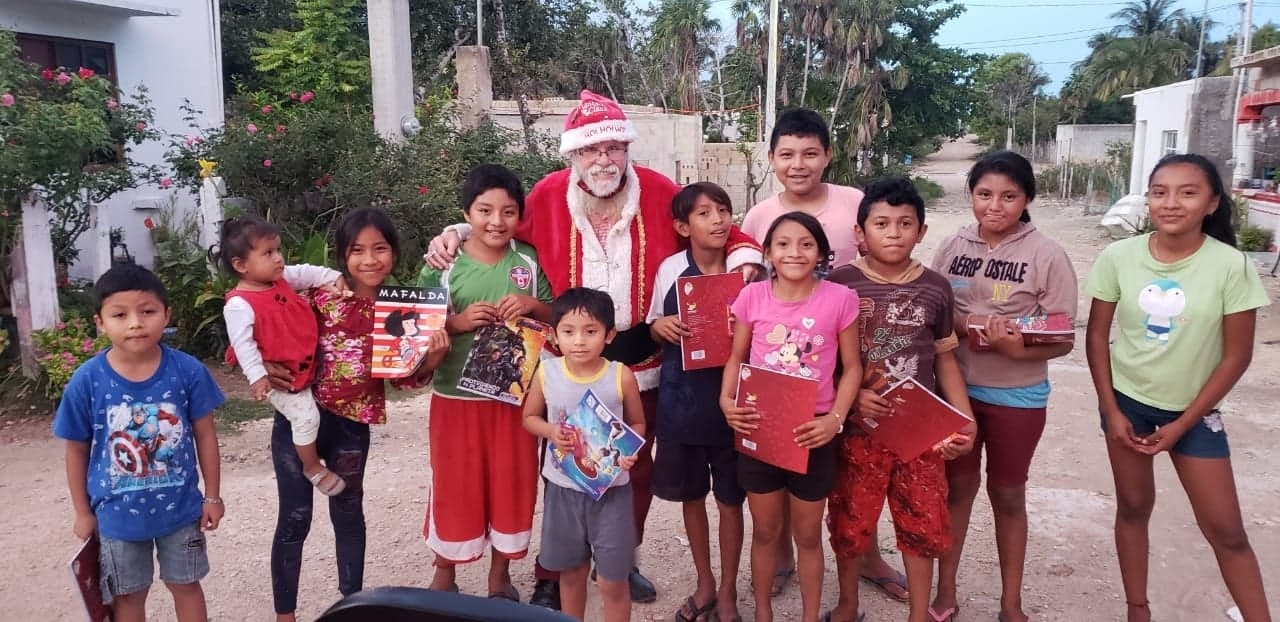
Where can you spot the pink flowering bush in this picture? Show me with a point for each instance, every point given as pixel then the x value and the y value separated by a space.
pixel 64 348
pixel 66 139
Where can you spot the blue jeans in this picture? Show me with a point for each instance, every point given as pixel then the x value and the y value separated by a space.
pixel 344 446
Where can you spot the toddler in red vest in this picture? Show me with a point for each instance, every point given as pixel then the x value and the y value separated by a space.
pixel 267 321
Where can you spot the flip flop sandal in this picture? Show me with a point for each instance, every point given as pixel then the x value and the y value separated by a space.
pixel 333 487
pixel 883 583
pixel 947 615
pixel 508 593
pixel 692 606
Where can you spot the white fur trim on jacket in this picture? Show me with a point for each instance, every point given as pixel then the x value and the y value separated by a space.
pixel 610 272
pixel 595 133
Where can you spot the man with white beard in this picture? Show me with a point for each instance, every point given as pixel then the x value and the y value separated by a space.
pixel 606 223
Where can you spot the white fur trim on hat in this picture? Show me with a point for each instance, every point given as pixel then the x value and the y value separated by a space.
pixel 584 136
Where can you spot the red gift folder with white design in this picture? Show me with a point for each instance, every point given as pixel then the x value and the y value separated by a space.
pixel 87 574
pixel 920 422
pixel 783 402
pixel 704 302
pixel 1036 329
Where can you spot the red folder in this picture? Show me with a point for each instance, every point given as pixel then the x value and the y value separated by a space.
pixel 1036 329
pixel 87 574
pixel 921 420
pixel 703 302
pixel 783 402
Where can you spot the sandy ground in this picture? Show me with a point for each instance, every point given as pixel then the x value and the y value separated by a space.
pixel 1071 570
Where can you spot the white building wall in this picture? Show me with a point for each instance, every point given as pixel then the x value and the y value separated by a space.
pixel 1158 110
pixel 176 57
pixel 1087 143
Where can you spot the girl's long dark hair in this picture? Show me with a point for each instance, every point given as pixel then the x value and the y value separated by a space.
pixel 1218 223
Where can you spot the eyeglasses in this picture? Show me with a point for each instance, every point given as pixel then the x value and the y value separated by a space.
pixel 592 153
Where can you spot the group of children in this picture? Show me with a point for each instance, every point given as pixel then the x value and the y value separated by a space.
pixel 136 416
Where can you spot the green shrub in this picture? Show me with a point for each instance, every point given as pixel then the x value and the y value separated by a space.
pixel 1255 239
pixel 928 189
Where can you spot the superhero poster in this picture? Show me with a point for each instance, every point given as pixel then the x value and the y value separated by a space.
pixel 403 318
pixel 601 439
pixel 503 358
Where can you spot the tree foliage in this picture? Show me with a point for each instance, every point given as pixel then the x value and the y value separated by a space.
pixel 328 52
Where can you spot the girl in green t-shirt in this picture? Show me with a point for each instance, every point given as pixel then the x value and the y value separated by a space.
pixel 1185 300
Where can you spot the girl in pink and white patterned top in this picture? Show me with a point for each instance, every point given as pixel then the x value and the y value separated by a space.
pixel 366 246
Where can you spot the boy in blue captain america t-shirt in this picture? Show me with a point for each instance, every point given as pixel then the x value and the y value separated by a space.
pixel 136 418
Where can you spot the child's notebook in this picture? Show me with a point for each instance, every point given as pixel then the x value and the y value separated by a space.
pixel 783 402
pixel 921 421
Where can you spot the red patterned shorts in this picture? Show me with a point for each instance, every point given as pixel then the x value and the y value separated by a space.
pixel 867 474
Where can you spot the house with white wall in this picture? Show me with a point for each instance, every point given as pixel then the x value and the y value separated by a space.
pixel 1192 116
pixel 173 47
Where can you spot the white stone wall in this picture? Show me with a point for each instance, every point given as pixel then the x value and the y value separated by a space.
pixel 1085 143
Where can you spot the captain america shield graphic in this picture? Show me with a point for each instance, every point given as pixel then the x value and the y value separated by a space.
pixel 127 455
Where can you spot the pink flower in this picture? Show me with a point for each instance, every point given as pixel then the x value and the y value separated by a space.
pixel 87 346
pixel 266 163
pixel 63 79
pixel 279 129
pixel 47 74
pixel 85 73
pixel 148 223
pixel 422 189
pixel 112 105
pixel 142 127
pixel 192 141
pixel 6 100
pixel 271 136
pixel 293 96
pixel 266 110
pixel 166 182
pixel 306 97
pixel 251 128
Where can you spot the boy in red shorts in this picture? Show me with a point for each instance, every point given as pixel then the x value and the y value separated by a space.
pixel 906 315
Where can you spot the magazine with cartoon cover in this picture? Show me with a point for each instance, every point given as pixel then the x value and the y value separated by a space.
pixel 503 359
pixel 602 439
pixel 403 319
pixel 1036 329
pixel 86 572
pixel 704 302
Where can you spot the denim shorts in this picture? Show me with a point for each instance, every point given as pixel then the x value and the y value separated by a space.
pixel 127 566
pixel 1207 439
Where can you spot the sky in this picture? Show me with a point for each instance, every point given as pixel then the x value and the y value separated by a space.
pixel 1055 32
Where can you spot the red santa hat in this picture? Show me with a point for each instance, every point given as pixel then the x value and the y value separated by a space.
pixel 596 119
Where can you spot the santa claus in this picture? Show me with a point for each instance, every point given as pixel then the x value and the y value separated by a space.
pixel 606 223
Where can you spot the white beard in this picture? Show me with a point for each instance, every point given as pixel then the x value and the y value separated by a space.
pixel 602 188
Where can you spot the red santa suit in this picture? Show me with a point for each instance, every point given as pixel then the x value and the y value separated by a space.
pixel 625 264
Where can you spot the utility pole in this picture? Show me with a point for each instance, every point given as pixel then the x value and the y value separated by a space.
pixel 480 22
pixel 771 83
pixel 771 73
pixel 1204 18
pixel 1033 127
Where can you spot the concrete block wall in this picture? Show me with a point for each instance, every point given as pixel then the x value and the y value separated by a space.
pixel 726 166
pixel 1088 142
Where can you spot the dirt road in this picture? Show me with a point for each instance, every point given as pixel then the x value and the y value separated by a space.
pixel 1071 572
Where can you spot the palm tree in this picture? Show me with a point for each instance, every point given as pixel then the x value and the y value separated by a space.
pixel 1147 17
pixel 1134 63
pixel 681 33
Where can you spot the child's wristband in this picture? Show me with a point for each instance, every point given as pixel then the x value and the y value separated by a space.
pixel 213 500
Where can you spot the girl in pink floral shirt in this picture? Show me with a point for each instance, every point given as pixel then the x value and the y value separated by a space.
pixel 367 248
